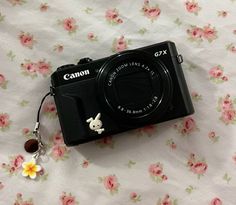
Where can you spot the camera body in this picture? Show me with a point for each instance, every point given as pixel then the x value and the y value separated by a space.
pixel 127 90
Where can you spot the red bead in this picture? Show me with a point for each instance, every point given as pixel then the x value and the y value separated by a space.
pixel 31 145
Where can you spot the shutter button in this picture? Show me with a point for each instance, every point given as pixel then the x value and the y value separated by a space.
pixel 84 61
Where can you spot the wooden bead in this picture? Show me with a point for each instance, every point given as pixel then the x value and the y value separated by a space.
pixel 31 145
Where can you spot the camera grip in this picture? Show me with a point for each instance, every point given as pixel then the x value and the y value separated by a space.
pixel 70 117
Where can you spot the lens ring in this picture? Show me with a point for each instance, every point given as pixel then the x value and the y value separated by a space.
pixel 110 70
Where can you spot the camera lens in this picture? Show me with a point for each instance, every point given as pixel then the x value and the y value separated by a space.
pixel 134 87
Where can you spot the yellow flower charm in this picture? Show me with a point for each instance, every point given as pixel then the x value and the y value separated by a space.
pixel 30 169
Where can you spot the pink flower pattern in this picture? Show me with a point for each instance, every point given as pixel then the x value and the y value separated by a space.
pixel 92 37
pixel 187 126
pixel 44 7
pixel 69 24
pixel 49 109
pixel 197 166
pixel 196 96
pixel 217 74
pixel 4 121
pixel 3 81
pixel 14 166
pixel 227 108
pixel 151 12
pixel 110 183
pixel 213 137
pixel 32 69
pixel 192 7
pixel 231 47
pixel 112 16
pixel 167 201
pixel 134 197
pixel 216 201
pixel 120 44
pixel 68 199
pixel 156 172
pixel 197 34
pixel 59 151
pixel 27 40
pixel 20 201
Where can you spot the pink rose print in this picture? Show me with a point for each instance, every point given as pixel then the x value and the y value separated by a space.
pixel 156 172
pixel 44 7
pixel 3 81
pixel 196 96
pixel 222 13
pixel 105 142
pixel 213 137
pixel 234 31
pixel 134 197
pixel 92 37
pixel 17 161
pixel 20 201
pixel 68 199
pixel 112 16
pixel 231 47
pixel 187 126
pixel 1 186
pixel 148 130
pixel 110 183
pixel 69 24
pixel 167 201
pixel 58 48
pixel 209 33
pixel 217 74
pixel 192 7
pixel 27 40
pixel 120 44
pixel 29 69
pixel 49 109
pixel 57 138
pixel 197 34
pixel 44 68
pixel 27 132
pixel 197 166
pixel 14 166
pixel 227 108
pixel 171 144
pixel 85 164
pixel 216 201
pixel 151 12
pixel 59 151
pixel 4 121
pixel 16 2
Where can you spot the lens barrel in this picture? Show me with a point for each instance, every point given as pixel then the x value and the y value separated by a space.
pixel 134 87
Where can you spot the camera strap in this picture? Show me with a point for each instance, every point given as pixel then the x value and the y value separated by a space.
pixel 35 146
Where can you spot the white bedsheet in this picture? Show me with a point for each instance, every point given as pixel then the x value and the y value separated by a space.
pixel 187 161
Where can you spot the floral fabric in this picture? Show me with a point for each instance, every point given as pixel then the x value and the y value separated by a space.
pixel 187 161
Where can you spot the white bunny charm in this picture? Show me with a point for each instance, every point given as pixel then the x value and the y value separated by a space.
pixel 96 124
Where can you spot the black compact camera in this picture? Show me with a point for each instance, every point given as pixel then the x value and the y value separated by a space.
pixel 130 89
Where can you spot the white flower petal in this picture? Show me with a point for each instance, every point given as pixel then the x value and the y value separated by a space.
pixel 24 173
pixel 38 168
pixel 32 175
